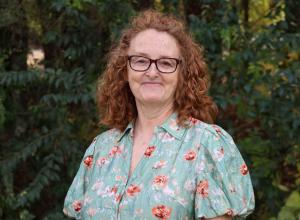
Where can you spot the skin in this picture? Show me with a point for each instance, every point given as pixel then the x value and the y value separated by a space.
pixel 153 91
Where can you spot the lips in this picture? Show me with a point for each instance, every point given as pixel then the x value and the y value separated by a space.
pixel 151 83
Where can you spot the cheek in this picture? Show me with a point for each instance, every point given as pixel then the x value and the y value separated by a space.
pixel 133 81
pixel 133 84
pixel 130 76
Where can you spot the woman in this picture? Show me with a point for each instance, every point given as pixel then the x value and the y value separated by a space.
pixel 161 159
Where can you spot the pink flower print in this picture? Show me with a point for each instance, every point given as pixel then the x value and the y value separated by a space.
pixel 160 180
pixel 221 151
pixel 217 129
pixel 190 155
pixel 88 161
pixel 161 212
pixel 114 189
pixel 118 197
pixel 102 161
pixel 118 178
pixel 232 188
pixel 244 169
pixel 91 212
pixel 229 212
pixel 97 185
pixel 115 150
pixel 244 201
pixel 149 151
pixel 202 188
pixel 77 206
pixel 159 164
pixel 166 137
pixel 189 186
pixel 133 190
pixel 87 200
pixel 173 125
pixel 138 212
pixel 194 121
pixel 219 154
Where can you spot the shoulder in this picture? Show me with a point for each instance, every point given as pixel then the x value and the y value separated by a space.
pixel 213 140
pixel 103 140
pixel 207 132
pixel 213 132
pixel 108 135
pixel 218 151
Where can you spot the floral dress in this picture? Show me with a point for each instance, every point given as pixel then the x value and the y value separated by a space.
pixel 185 173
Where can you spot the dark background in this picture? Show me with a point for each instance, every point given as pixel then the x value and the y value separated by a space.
pixel 48 114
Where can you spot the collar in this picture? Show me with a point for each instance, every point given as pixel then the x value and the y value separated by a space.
pixel 170 125
pixel 128 129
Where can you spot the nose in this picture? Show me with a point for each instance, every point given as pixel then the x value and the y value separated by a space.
pixel 152 71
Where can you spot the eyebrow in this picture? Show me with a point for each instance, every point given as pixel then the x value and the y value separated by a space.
pixel 147 55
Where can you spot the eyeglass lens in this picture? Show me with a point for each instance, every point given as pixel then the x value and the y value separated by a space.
pixel 165 65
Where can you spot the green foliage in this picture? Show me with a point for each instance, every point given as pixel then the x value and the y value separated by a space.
pixel 2 113
pixel 291 209
pixel 48 114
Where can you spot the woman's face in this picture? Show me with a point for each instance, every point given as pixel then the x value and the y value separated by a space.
pixel 151 86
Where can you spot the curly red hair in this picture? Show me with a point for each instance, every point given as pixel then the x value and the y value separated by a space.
pixel 115 100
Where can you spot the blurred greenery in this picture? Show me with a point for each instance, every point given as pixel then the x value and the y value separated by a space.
pixel 48 114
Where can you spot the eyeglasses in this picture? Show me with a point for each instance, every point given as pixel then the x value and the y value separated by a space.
pixel 163 65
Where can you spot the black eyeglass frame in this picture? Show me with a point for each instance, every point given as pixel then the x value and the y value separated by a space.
pixel 153 61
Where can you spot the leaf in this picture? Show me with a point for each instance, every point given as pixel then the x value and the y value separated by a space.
pixel 293 200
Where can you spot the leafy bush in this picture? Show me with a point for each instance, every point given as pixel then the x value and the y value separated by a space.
pixel 48 115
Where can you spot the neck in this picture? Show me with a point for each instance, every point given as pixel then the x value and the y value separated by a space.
pixel 150 116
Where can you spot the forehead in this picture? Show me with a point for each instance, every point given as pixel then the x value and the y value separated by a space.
pixel 155 44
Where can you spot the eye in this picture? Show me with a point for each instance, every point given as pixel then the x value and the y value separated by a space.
pixel 139 60
pixel 166 62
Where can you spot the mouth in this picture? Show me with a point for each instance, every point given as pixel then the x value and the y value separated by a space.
pixel 151 83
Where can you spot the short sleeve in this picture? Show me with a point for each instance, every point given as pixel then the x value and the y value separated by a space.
pixel 223 181
pixel 75 196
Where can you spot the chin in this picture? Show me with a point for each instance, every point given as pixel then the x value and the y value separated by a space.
pixel 152 100
pixel 151 97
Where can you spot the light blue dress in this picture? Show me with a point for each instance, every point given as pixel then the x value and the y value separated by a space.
pixel 185 173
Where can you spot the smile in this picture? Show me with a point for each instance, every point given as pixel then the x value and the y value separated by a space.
pixel 151 83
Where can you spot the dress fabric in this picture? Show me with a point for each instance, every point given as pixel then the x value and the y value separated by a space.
pixel 185 173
